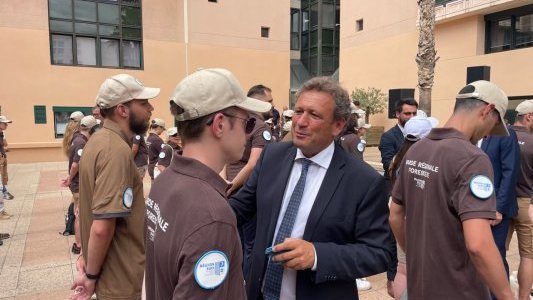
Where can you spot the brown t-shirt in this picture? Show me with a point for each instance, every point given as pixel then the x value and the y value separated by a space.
pixel 141 158
pixel 154 143
pixel 258 138
pixel 76 150
pixel 524 185
pixel 443 181
pixel 110 187
pixel 191 236
pixel 352 144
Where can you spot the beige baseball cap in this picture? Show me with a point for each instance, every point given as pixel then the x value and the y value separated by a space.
pixel 288 113
pixel 489 93
pixel 525 107
pixel 159 122
pixel 210 90
pixel 88 122
pixel 3 119
pixel 76 116
pixel 172 131
pixel 122 88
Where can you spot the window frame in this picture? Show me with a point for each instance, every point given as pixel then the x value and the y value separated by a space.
pixel 512 14
pixel 120 38
pixel 86 110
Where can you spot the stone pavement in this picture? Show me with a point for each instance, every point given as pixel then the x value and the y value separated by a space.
pixel 36 262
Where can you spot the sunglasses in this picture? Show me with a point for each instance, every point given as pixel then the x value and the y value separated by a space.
pixel 249 123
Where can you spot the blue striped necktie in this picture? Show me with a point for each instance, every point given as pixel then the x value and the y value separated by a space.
pixel 274 272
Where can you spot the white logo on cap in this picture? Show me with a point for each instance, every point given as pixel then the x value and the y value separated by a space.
pixel 266 135
pixel 211 269
pixel 137 137
pixel 162 155
pixel 127 198
pixel 80 151
pixel 481 186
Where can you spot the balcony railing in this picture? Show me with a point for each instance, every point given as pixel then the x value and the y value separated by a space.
pixel 445 9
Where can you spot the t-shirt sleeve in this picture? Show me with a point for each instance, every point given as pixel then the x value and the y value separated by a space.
pixel 77 149
pixel 165 156
pixel 261 137
pixel 398 189
pixel 215 237
pixel 113 189
pixel 136 140
pixel 472 199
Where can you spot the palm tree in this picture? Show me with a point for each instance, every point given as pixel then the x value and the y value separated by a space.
pixel 426 56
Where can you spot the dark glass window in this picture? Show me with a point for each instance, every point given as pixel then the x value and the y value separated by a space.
pixel 265 32
pixel 295 29
pixel 509 30
pixel 96 33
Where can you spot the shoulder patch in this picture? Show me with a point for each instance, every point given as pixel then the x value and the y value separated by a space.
pixel 211 269
pixel 127 198
pixel 360 147
pixel 138 137
pixel 481 187
pixel 80 151
pixel 162 155
pixel 267 135
pixel 162 146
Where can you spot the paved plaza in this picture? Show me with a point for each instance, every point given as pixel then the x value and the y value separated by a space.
pixel 36 262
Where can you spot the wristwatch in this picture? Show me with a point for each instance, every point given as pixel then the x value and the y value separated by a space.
pixel 92 276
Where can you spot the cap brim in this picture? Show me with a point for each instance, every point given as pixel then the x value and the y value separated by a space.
pixel 6 121
pixel 500 129
pixel 148 93
pixel 254 105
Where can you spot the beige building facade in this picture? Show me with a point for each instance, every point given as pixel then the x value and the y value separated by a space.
pixel 379 39
pixel 55 56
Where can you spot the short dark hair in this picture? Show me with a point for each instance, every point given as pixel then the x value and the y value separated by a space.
pixel 107 112
pixel 400 103
pixel 467 104
pixel 257 90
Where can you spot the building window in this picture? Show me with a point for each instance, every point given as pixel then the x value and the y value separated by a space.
pixel 97 34
pixel 62 116
pixel 509 30
pixel 265 32
pixel 359 25
pixel 39 112
pixel 214 1
pixel 295 29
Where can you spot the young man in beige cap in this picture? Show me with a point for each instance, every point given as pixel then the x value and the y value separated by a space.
pixel 523 225
pixel 88 126
pixel 168 150
pixel 154 143
pixel 445 188
pixel 3 168
pixel 111 195
pixel 192 245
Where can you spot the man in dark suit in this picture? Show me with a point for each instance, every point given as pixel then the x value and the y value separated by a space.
pixel 390 143
pixel 323 210
pixel 392 140
pixel 504 154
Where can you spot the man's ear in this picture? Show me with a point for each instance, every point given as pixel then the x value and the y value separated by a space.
pixel 122 110
pixel 217 126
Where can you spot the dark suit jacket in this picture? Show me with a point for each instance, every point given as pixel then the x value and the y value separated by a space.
pixel 504 154
pixel 390 143
pixel 348 223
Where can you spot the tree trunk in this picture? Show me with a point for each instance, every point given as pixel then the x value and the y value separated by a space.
pixel 426 56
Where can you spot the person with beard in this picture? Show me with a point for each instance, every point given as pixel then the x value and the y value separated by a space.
pixel 111 195
pixel 391 142
pixel 238 172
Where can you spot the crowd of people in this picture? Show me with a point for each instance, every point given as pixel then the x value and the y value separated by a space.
pixel 250 203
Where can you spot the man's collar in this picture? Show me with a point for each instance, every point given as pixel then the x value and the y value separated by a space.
pixel 401 129
pixel 323 158
pixel 113 126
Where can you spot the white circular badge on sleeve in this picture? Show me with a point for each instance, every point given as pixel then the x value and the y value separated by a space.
pixel 211 269
pixel 127 198
pixel 162 155
pixel 80 151
pixel 481 186
pixel 361 147
pixel 266 135
pixel 162 146
pixel 138 137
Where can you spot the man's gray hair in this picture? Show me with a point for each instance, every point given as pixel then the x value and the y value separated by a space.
pixel 327 85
